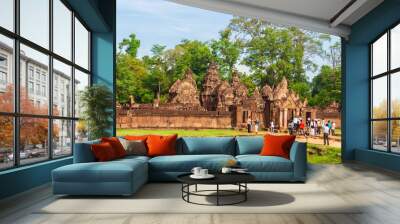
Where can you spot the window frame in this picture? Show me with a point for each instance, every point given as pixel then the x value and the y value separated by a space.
pixel 388 74
pixel 16 114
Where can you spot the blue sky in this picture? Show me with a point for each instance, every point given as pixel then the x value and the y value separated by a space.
pixel 167 23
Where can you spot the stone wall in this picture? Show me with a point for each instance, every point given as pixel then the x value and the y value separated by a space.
pixel 158 118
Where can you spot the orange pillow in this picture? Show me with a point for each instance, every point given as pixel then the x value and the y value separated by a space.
pixel 103 152
pixel 277 145
pixel 116 145
pixel 161 145
pixel 136 137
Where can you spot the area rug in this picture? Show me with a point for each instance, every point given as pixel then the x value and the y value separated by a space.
pixel 166 198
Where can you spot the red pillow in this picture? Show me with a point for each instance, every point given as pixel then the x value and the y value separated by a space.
pixel 136 137
pixel 277 145
pixel 161 145
pixel 103 152
pixel 116 145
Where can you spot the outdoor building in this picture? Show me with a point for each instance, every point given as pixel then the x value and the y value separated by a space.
pixel 230 104
pixel 187 135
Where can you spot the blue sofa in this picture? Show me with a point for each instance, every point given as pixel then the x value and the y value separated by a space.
pixel 125 176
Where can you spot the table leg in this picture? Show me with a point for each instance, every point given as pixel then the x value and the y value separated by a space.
pixel 245 193
pixel 217 194
pixel 195 188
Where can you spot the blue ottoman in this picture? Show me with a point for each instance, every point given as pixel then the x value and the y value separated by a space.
pixel 119 177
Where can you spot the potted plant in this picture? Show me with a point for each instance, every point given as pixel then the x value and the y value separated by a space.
pixel 96 102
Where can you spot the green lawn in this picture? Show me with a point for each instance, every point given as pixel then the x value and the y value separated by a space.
pixel 320 154
pixel 317 154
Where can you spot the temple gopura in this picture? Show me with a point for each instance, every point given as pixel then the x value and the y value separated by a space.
pixel 219 104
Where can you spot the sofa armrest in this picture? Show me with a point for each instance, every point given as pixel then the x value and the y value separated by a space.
pixel 298 155
pixel 83 152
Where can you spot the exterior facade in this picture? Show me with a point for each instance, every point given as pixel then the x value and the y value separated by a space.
pixel 221 105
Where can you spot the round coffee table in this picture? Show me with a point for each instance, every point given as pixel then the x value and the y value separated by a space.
pixel 238 179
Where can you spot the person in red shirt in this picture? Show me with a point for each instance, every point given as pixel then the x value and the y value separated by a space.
pixel 302 126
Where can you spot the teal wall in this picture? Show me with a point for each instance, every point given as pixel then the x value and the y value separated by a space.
pixel 356 124
pixel 24 178
pixel 100 16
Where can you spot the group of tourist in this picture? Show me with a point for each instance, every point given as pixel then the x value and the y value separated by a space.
pixel 297 126
pixel 253 125
pixel 312 128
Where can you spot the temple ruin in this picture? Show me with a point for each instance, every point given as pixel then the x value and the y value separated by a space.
pixel 220 104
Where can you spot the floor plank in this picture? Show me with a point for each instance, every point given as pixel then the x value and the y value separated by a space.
pixel 376 190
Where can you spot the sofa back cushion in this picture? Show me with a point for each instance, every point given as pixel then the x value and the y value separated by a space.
pixel 104 152
pixel 116 145
pixel 206 145
pixel 277 145
pixel 159 145
pixel 249 145
pixel 83 152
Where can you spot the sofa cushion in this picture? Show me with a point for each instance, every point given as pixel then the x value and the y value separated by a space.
pixel 83 152
pixel 134 147
pixel 207 145
pixel 185 163
pixel 277 145
pixel 103 152
pixel 257 163
pixel 159 145
pixel 249 145
pixel 112 171
pixel 116 145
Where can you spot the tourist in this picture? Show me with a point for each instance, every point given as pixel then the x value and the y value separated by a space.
pixel 249 125
pixel 312 130
pixel 330 126
pixel 290 127
pixel 295 122
pixel 326 134
pixel 302 126
pixel 256 125
pixel 271 125
pixel 333 128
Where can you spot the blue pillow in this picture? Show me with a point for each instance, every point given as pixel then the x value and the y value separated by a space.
pixel 208 145
pixel 249 145
pixel 83 152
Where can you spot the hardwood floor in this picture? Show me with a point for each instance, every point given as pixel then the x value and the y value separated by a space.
pixel 376 189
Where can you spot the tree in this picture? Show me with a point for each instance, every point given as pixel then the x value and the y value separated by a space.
pixel 165 66
pixel 333 53
pixel 226 52
pixel 196 55
pixel 130 75
pixel 33 131
pixel 303 89
pixel 130 45
pixel 326 87
pixel 273 52
pixel 97 104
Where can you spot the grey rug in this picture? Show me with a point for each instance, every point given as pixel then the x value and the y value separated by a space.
pixel 166 198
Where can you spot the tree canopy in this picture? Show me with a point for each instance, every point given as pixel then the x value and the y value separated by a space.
pixel 270 53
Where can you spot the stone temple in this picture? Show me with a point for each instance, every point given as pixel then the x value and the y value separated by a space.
pixel 219 104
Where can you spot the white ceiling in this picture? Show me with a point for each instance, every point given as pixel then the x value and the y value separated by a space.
pixel 315 15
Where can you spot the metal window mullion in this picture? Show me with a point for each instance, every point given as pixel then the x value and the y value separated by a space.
pixel 389 99
pixel 371 89
pixel 50 81
pixel 73 82
pixel 16 85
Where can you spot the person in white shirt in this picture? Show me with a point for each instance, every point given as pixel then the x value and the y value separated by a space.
pixel 333 128
pixel 272 126
pixel 326 134
pixel 256 126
